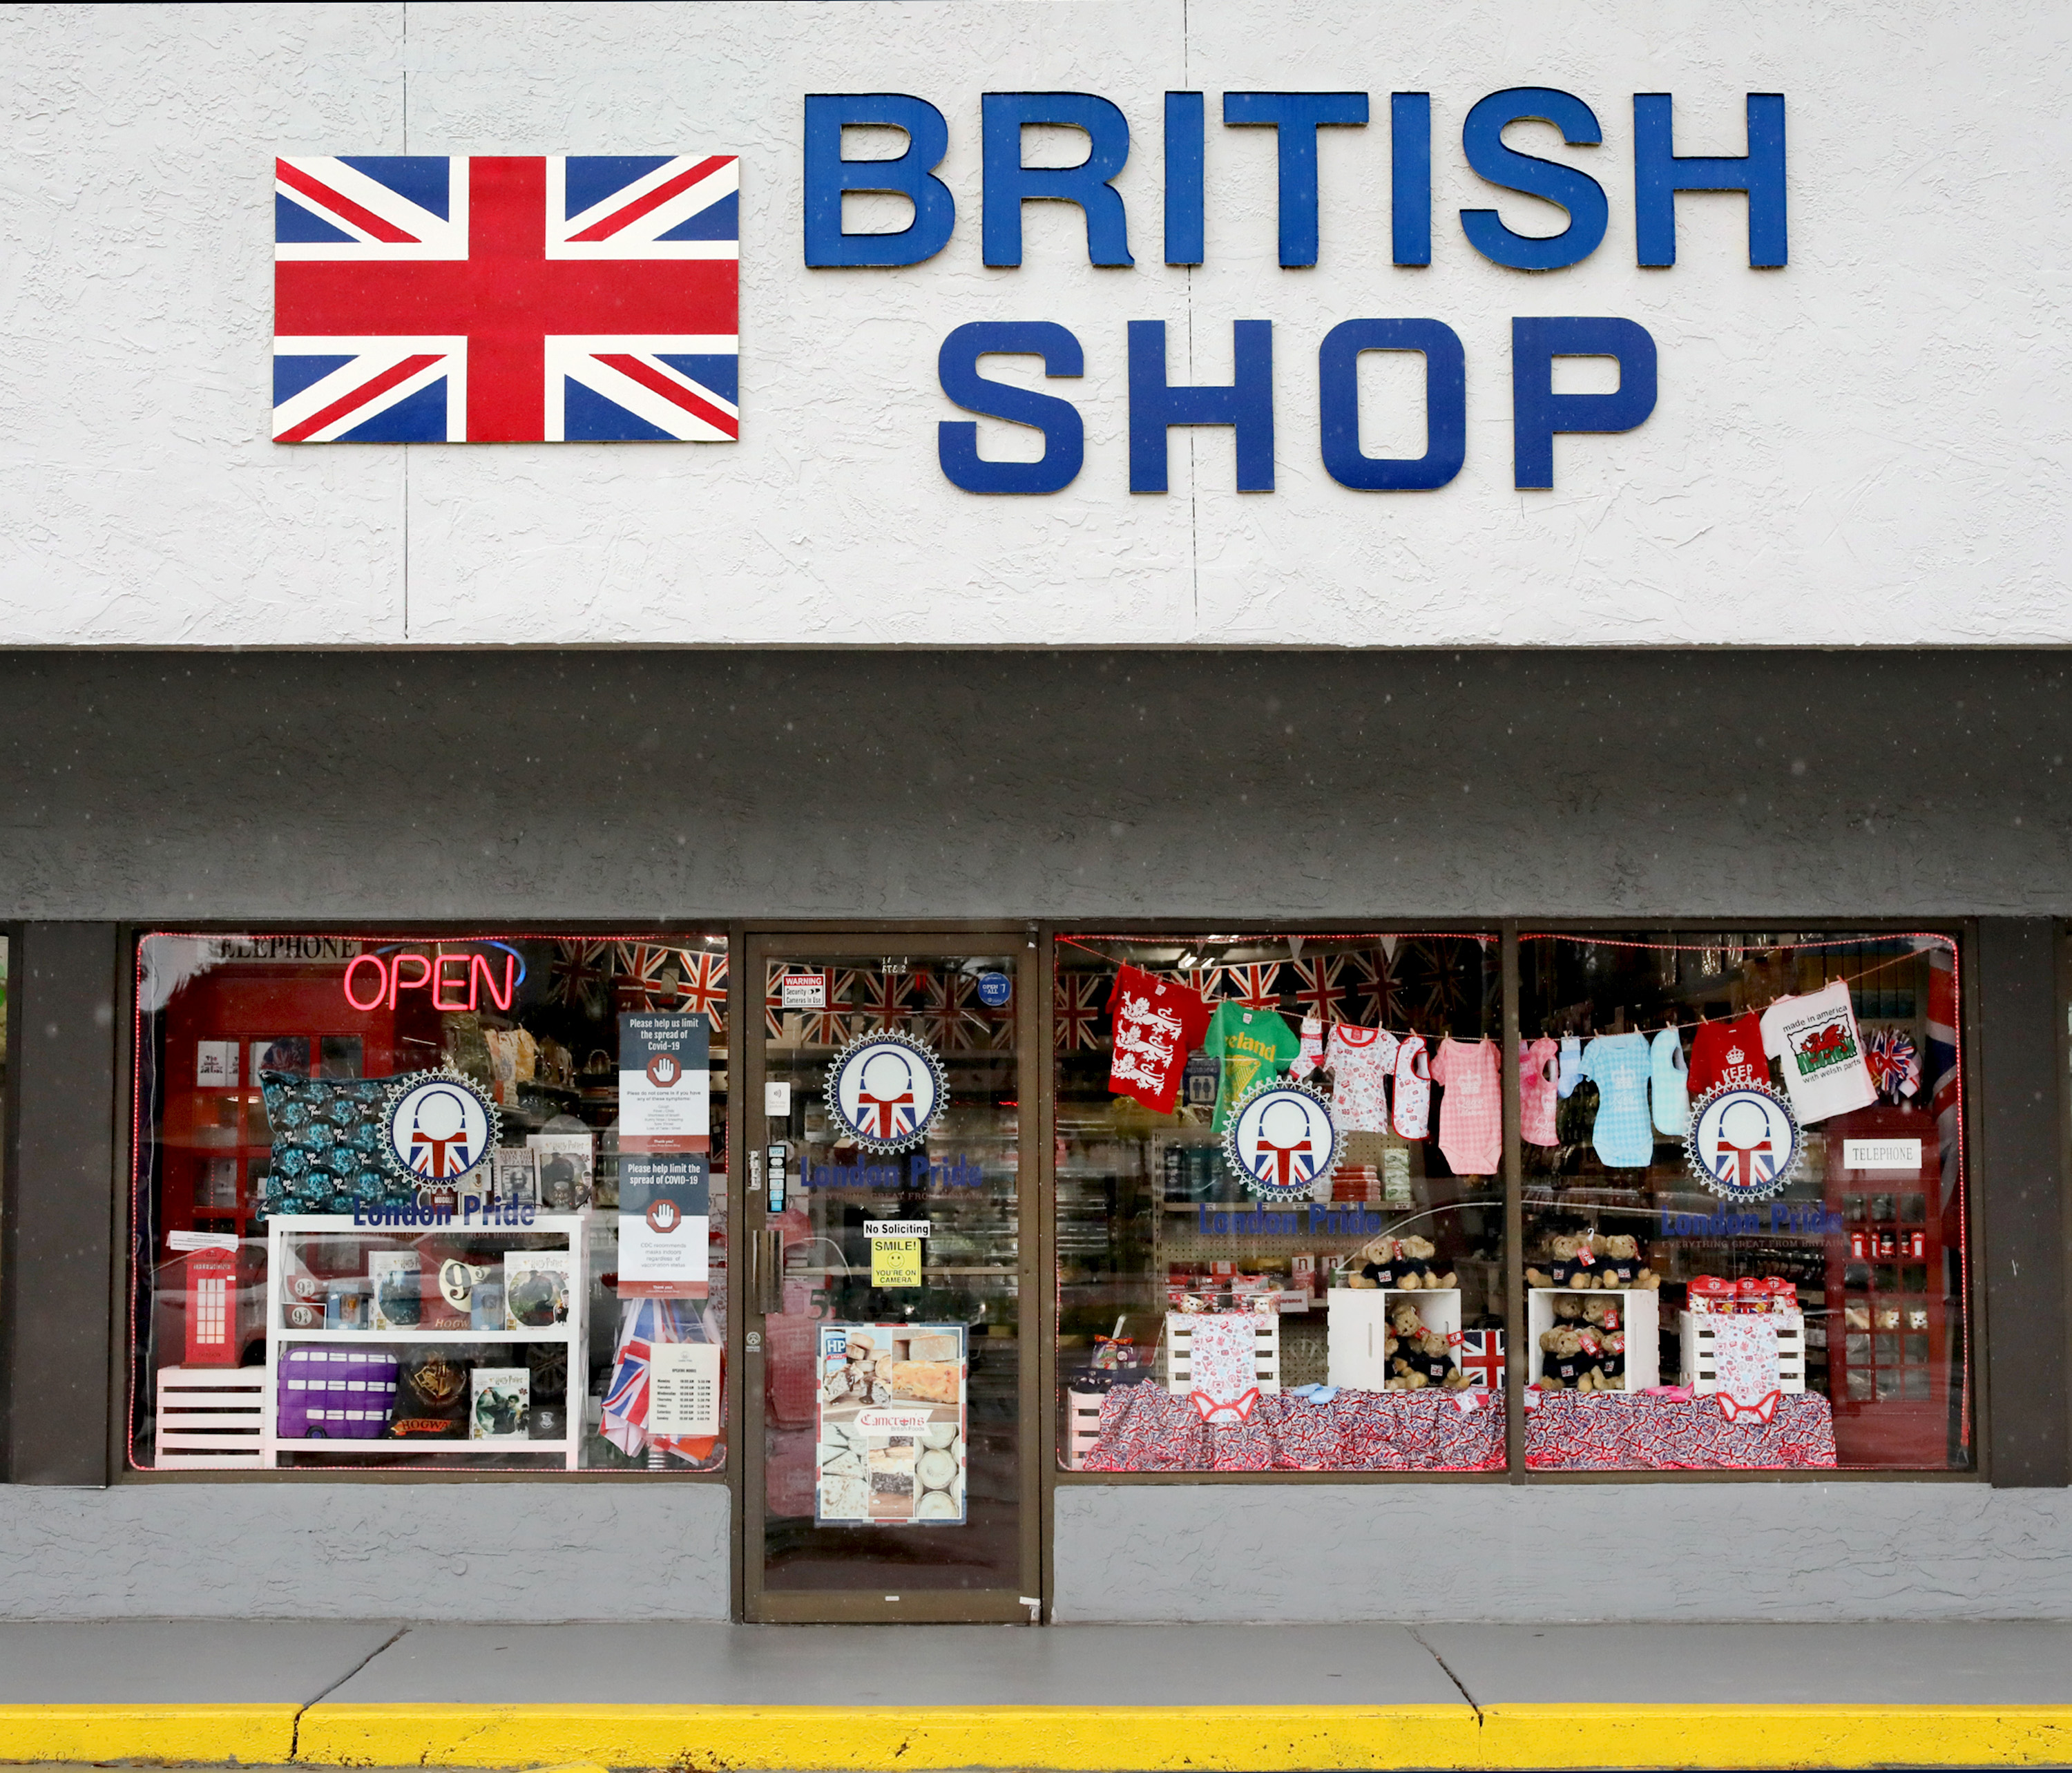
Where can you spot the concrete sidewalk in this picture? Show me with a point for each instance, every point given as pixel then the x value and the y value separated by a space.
pixel 1106 1697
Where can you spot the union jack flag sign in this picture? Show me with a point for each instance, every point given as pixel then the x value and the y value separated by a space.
pixel 506 298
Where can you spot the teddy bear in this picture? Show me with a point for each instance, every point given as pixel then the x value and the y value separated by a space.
pixel 1611 1362
pixel 1414 1267
pixel 1564 1266
pixel 1570 1308
pixel 1622 1264
pixel 1590 1351
pixel 1405 1322
pixel 1405 1374
pixel 1562 1366
pixel 1425 1357
pixel 1439 1362
pixel 1378 1265
pixel 1602 1314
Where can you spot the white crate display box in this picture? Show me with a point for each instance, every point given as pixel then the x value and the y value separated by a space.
pixel 1082 1426
pixel 1695 1335
pixel 213 1418
pixel 1640 1320
pixel 1357 1329
pixel 1179 1347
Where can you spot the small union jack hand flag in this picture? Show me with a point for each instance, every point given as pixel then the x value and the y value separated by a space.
pixel 506 298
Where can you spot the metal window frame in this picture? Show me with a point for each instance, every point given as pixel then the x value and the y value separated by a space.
pixel 123 1379
pixel 1510 932
pixel 809 941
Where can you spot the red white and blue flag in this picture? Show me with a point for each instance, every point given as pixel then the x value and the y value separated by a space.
pixel 506 298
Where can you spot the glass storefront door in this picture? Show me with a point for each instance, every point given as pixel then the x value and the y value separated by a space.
pixel 890 1331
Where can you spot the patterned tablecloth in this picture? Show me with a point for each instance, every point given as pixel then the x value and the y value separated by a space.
pixel 1143 1428
pixel 1632 1431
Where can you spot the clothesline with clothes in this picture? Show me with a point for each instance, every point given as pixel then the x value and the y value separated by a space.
pixel 1256 976
pixel 1384 1081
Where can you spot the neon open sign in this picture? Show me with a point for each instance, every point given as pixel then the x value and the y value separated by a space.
pixel 455 982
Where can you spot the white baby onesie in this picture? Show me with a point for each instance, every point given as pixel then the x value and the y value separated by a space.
pixel 1360 1061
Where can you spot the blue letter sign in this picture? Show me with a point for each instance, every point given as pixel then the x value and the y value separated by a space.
pixel 1445 405
pixel 1247 405
pixel 1010 184
pixel 1537 412
pixel 1659 172
pixel 1064 434
pixel 911 175
pixel 1482 137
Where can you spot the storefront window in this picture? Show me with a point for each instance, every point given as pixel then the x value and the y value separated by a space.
pixel 438 1204
pixel 1743 1167
pixel 1280 1221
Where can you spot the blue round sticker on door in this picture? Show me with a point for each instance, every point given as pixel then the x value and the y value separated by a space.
pixel 994 989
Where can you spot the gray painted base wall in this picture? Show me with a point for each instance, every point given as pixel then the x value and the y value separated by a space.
pixel 1572 1552
pixel 365 1551
pixel 1162 1552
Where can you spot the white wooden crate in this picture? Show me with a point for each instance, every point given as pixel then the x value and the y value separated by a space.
pixel 214 1418
pixel 1640 1317
pixel 1179 1349
pixel 1695 1333
pixel 1358 1334
pixel 1082 1427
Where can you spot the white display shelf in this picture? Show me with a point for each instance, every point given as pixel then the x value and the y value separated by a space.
pixel 284 1229
pixel 559 1333
pixel 1640 1317
pixel 1357 1336
pixel 565 1444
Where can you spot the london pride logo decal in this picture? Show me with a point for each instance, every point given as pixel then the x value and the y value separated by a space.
pixel 884 1091
pixel 441 1126
pixel 1743 1140
pixel 1281 1140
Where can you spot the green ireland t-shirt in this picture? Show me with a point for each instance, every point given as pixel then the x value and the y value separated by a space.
pixel 1248 1044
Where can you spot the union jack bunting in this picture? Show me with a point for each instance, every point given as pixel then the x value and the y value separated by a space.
pixel 1433 965
pixel 950 1018
pixel 1320 987
pixel 506 298
pixel 1377 999
pixel 830 1026
pixel 1206 982
pixel 579 975
pixel 883 1003
pixel 704 989
pixel 1076 1002
pixel 651 978
pixel 1255 983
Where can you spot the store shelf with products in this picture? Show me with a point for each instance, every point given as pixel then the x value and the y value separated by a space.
pixel 376 1293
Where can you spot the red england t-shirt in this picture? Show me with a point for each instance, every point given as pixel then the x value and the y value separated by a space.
pixel 1728 1052
pixel 1158 1023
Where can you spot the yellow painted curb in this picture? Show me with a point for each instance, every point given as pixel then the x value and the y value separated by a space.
pixel 1732 1737
pixel 1505 1738
pixel 867 1738
pixel 264 1735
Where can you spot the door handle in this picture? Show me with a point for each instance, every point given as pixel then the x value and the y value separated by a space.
pixel 770 1271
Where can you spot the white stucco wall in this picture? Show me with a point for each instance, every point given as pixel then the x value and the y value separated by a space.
pixel 1869 445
